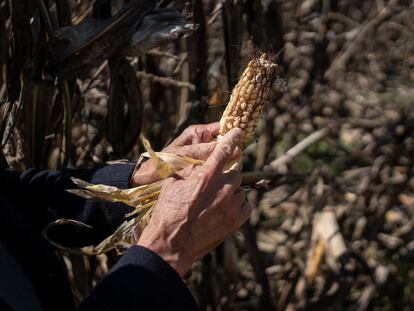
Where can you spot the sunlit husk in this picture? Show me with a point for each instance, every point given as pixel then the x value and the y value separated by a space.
pixel 164 169
pixel 176 161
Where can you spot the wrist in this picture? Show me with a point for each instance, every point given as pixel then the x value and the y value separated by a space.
pixel 161 246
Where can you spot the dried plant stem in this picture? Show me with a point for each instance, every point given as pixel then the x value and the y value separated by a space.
pixel 164 54
pixel 299 148
pixel 315 263
pixel 165 81
pixel 95 76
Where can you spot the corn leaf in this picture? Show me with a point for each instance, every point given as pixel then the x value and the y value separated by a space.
pixel 77 49
pixel 133 197
pixel 121 238
pixel 156 29
pixel 103 192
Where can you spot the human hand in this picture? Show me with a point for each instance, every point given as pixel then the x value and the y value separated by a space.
pixel 195 142
pixel 198 208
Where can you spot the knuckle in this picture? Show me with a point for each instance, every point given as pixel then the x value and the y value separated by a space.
pixel 196 132
pixel 200 133
pixel 190 131
pixel 225 149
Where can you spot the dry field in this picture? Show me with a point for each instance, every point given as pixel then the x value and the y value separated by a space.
pixel 329 168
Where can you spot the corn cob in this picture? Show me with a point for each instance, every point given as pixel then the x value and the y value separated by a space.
pixel 258 84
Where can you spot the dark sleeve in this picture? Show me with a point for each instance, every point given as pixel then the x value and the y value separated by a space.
pixel 141 280
pixel 41 197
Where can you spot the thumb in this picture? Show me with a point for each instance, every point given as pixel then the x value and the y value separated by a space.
pixel 224 151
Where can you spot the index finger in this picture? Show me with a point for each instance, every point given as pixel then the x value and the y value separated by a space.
pixel 224 151
pixel 196 134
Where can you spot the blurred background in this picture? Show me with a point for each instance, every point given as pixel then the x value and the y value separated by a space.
pixel 330 171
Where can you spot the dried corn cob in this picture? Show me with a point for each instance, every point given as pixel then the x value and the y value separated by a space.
pixel 258 84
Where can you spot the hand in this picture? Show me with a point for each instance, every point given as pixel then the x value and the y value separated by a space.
pixel 195 142
pixel 198 209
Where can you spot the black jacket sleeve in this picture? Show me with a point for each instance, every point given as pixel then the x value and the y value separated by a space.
pixel 141 280
pixel 42 197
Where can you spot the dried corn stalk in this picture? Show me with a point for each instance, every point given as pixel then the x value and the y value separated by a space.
pixel 258 84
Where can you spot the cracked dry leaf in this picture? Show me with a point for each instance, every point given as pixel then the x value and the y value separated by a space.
pixel 127 233
pixel 104 192
pixel 133 197
pixel 164 169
